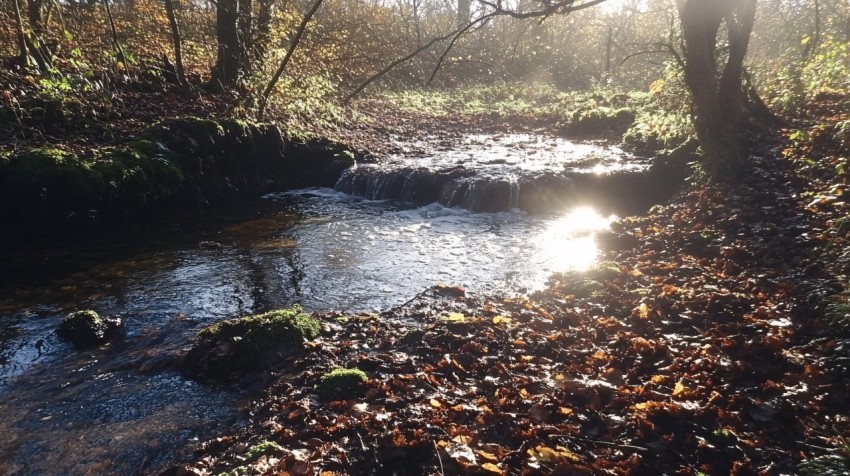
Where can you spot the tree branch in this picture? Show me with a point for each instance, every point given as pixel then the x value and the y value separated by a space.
pixel 562 7
pixel 451 45
pixel 264 100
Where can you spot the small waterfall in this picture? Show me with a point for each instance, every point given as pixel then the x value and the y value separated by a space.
pixel 482 194
pixel 458 187
pixel 373 182
pixel 498 172
pixel 513 203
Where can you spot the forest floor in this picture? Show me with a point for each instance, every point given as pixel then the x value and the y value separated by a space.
pixel 713 337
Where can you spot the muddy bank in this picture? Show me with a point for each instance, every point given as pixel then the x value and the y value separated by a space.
pixel 182 164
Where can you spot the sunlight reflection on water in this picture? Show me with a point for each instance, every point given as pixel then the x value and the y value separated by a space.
pixel 568 242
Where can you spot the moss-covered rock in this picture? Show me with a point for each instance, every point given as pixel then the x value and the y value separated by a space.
pixel 86 328
pixel 263 448
pixel 342 384
pixel 45 181
pixel 186 163
pixel 601 119
pixel 238 346
pixel 139 175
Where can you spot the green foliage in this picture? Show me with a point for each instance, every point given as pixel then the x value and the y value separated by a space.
pixel 829 69
pixel 262 448
pixel 262 332
pixel 662 121
pixel 502 98
pixel 598 111
pixel 307 101
pixel 791 88
pixel 341 383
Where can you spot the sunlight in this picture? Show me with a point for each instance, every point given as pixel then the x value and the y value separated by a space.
pixel 569 242
pixel 615 5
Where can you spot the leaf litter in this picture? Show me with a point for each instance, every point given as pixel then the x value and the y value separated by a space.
pixel 705 350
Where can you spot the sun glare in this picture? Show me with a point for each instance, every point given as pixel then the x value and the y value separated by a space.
pixel 612 5
pixel 569 242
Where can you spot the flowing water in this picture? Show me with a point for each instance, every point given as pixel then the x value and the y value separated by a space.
pixel 123 409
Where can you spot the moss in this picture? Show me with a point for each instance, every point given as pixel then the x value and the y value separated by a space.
pixel 341 383
pixel 51 180
pixel 195 131
pixel 237 471
pixel 346 156
pixel 132 174
pixel 237 347
pixel 150 149
pixel 588 288
pixel 264 447
pixel 601 119
pixel 285 327
pixel 604 271
pixel 197 125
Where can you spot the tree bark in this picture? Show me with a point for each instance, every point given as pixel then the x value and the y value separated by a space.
pixel 119 51
pixel 717 97
pixel 22 38
pixel 246 33
pixel 177 40
pixel 264 22
pixel 35 42
pixel 228 56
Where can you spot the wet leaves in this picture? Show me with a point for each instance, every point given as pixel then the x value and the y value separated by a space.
pixel 698 348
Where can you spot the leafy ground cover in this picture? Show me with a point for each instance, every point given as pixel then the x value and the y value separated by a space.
pixel 712 338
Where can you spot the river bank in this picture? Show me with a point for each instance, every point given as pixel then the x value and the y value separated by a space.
pixel 705 335
pixel 708 340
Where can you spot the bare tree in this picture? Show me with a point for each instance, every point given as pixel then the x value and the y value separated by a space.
pixel 494 10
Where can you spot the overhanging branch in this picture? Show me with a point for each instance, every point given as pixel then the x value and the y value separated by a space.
pixel 562 7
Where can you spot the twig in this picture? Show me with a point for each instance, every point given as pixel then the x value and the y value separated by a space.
pixel 604 443
pixel 439 458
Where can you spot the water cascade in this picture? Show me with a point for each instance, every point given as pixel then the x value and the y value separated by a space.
pixel 498 177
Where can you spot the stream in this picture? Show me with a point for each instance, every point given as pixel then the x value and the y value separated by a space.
pixel 122 409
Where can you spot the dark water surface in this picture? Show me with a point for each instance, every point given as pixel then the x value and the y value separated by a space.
pixel 122 409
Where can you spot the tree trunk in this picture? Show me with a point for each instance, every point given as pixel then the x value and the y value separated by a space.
pixel 119 51
pixel 246 33
pixel 264 22
pixel 22 38
pixel 717 98
pixel 35 41
pixel 177 40
pixel 226 22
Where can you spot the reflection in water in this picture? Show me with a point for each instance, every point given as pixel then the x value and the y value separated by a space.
pixel 568 243
pixel 121 407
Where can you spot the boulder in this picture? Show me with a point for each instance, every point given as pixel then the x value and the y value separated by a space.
pixel 87 329
pixel 235 347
